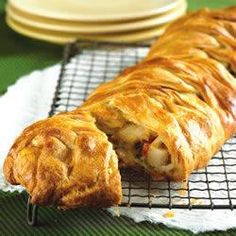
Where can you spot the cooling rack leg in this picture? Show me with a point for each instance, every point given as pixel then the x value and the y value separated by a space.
pixel 31 213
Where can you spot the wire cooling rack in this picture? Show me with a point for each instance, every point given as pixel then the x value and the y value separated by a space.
pixel 86 65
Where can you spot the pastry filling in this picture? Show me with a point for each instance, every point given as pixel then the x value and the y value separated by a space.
pixel 136 145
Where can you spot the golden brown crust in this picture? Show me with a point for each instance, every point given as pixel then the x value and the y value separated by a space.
pixel 184 91
pixel 65 160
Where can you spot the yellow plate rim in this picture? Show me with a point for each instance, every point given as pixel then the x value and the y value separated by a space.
pixel 62 38
pixel 90 28
pixel 92 18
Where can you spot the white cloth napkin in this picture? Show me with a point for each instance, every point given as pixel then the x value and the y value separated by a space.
pixel 30 99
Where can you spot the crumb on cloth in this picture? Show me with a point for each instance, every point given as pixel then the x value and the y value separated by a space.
pixel 169 214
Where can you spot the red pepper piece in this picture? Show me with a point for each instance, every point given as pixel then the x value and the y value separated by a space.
pixel 145 149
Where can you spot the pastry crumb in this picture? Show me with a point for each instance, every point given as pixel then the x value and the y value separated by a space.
pixel 169 214
pixel 117 211
pixel 195 201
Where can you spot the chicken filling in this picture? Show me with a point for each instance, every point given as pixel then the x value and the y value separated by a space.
pixel 135 144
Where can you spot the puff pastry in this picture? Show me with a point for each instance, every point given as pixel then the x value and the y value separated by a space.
pixel 65 160
pixel 168 115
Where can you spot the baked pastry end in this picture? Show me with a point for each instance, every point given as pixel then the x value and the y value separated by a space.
pixel 65 160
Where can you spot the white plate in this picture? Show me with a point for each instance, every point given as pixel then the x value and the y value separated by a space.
pixel 94 10
pixel 62 37
pixel 94 28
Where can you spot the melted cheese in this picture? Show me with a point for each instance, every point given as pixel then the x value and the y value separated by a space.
pixel 158 156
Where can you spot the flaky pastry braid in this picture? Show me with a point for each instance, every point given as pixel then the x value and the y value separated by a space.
pixel 168 115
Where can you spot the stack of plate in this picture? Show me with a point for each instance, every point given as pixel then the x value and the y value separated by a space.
pixel 61 21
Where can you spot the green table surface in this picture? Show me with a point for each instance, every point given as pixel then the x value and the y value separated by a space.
pixel 19 56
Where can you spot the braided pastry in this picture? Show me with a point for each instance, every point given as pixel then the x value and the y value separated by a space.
pixel 168 115
pixel 65 160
